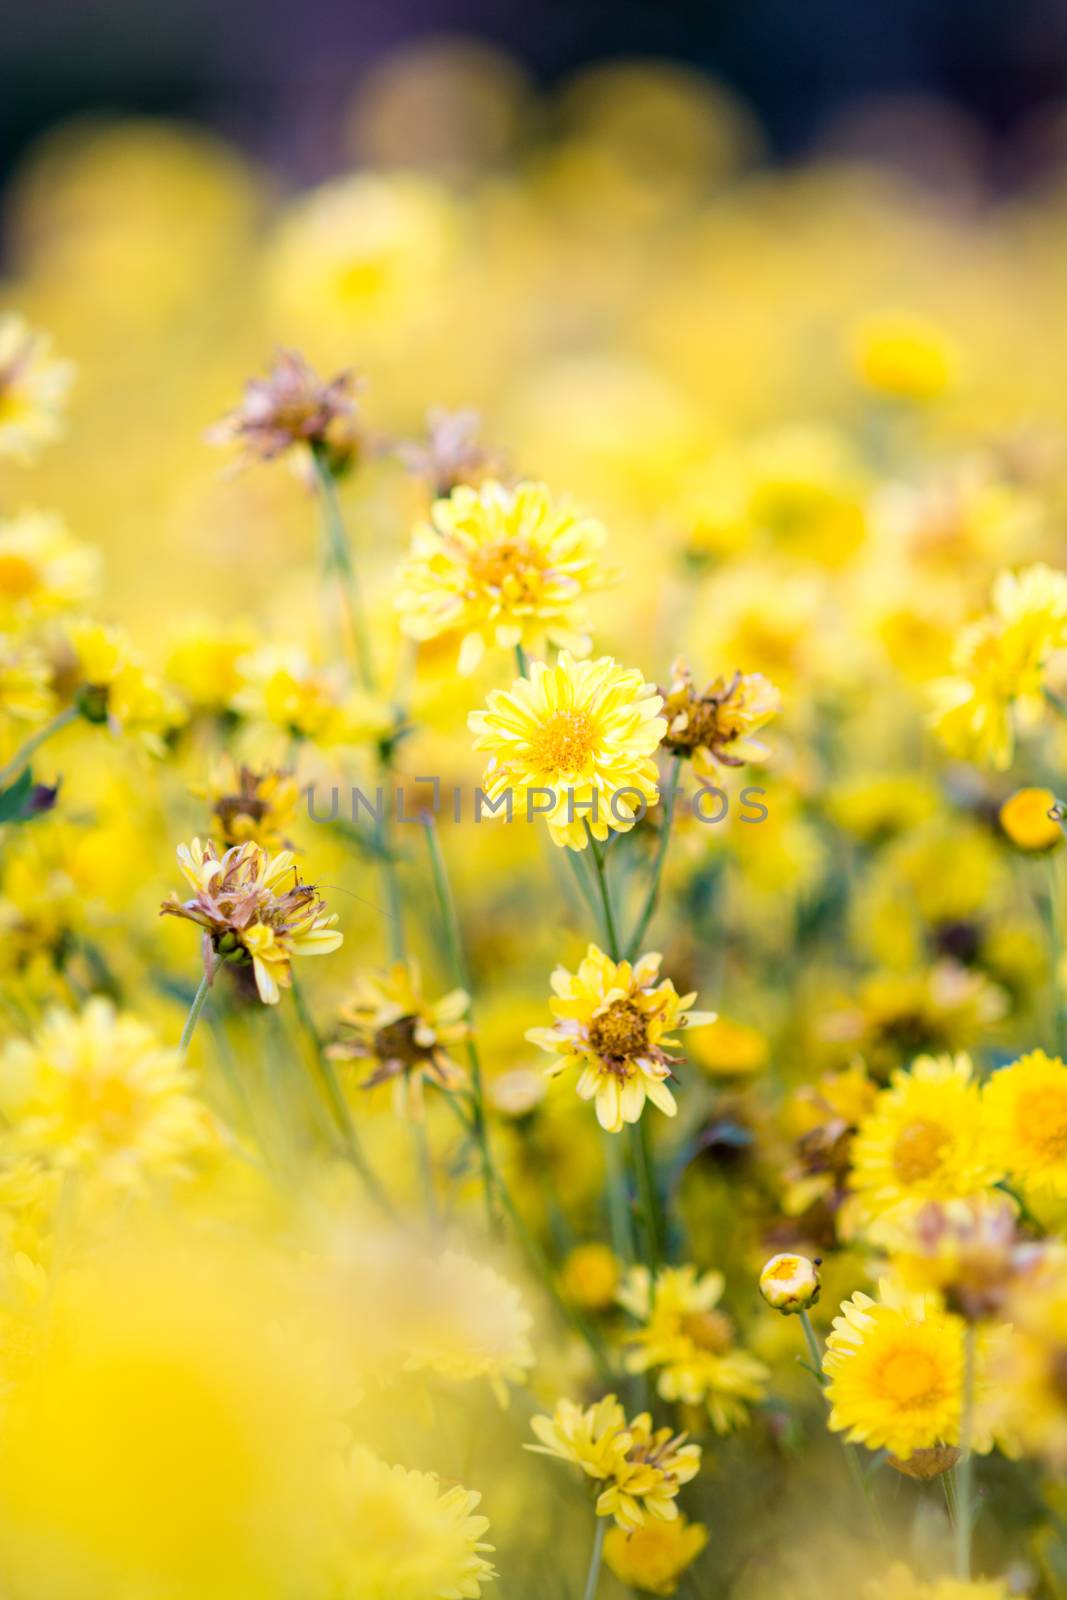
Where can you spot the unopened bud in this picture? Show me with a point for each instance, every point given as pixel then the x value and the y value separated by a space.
pixel 790 1283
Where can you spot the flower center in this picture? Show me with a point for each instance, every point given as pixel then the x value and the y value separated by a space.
pixel 397 1042
pixel 1041 1119
pixel 620 1032
pixel 709 1330
pixel 18 577
pixel 510 564
pixel 564 742
pixel 910 1378
pixel 918 1150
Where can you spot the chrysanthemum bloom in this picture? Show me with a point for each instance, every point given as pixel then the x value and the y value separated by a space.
pixel 999 666
pixel 581 735
pixel 253 908
pixel 281 687
pixel 691 1343
pixel 502 566
pixel 900 1584
pixel 248 805
pixel 714 728
pixel 33 389
pixel 1027 1394
pixel 406 1038
pixel 614 1024
pixel 590 1276
pixel 904 356
pixel 789 1283
pixel 654 1557
pixel 969 1252
pixel 1025 1108
pixel 44 570
pixel 941 1009
pixel 594 1438
pixel 466 1322
pixel 451 455
pixel 25 680
pixel 401 1535
pixel 1026 817
pixel 116 688
pixel 925 1139
pixel 202 659
pixel 895 1375
pixel 97 1093
pixel 291 406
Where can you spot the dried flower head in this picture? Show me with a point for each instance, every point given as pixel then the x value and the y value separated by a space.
pixel 451 453
pixel 246 804
pixel 33 389
pixel 291 406
pixel 714 728
pixel 405 1037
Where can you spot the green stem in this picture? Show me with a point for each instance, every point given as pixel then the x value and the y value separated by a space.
pixel 651 899
pixel 851 1455
pixel 522 662
pixel 965 1466
pixel 651 1212
pixel 339 561
pixel 592 1582
pixel 194 1013
pixel 424 1161
pixel 394 899
pixel 1056 946
pixel 62 719
pixel 461 977
pixel 611 932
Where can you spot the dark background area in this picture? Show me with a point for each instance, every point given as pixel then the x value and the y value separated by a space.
pixel 263 71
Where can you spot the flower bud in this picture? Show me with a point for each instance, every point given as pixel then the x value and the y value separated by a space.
pixel 790 1283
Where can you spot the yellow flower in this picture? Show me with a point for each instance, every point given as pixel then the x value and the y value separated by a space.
pixel 900 1584
pixel 96 1092
pixel 25 680
pixel 691 1342
pixel 580 735
pixel 730 1049
pixel 33 389
pixel 590 1276
pixel 1026 821
pixel 252 805
pixel 470 1323
pixel 249 914
pixel 280 686
pixel 790 1283
pixel 1025 1108
pixel 895 1375
pixel 117 689
pixel 202 659
pixel 715 728
pixel 44 570
pixel 654 1557
pixel 924 1139
pixel 1027 1398
pixel 407 1038
pixel 904 356
pixel 594 1438
pixel 502 566
pixel 401 1535
pixel 613 1023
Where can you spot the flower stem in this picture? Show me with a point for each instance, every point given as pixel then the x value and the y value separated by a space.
pixel 1056 951
pixel 424 1161
pixel 461 977
pixel 851 1455
pixel 651 899
pixel 339 560
pixel 522 662
pixel 194 1012
pixel 62 719
pixel 965 1466
pixel 611 932
pixel 592 1581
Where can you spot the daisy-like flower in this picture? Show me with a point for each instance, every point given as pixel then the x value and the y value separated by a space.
pixel 401 1535
pixel 614 1023
pixel 117 689
pixel 467 1322
pixel 202 659
pixel 653 1558
pixel 44 570
pixel 580 735
pixel 594 1438
pixel 96 1092
pixel 969 1252
pixel 502 566
pixel 246 804
pixel 895 1375
pixel 253 908
pixel 683 1335
pixel 280 686
pixel 714 728
pixel 406 1038
pixel 1025 1108
pixel 925 1138
pixel 1027 1394
pixel 291 406
pixel 33 389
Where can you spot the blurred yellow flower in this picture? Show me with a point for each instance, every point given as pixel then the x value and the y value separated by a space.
pixel 44 570
pixel 654 1557
pixel 904 356
pixel 404 1037
pixel 25 680
pixel 727 1049
pixel 33 389
pixel 1025 818
pixel 202 657
pixel 280 686
pixel 117 689
pixel 1025 1110
pixel 590 1276
pixel 248 805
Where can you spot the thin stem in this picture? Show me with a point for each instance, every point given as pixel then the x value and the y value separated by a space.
pixel 62 719
pixel 611 932
pixel 592 1582
pixel 619 1217
pixel 652 897
pixel 461 977
pixel 424 1161
pixel 851 1455
pixel 814 1347
pixel 522 662
pixel 965 1465
pixel 1056 948
pixel 394 899
pixel 339 560
pixel 194 1012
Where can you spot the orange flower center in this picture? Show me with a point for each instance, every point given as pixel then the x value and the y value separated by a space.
pixel 910 1378
pixel 512 564
pixel 18 577
pixel 564 742
pixel 1041 1119
pixel 918 1150
pixel 620 1032
pixel 709 1330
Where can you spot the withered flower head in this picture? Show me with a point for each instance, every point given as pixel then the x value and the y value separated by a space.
pixel 253 909
pixel 246 804
pixel 292 406
pixel 406 1037
pixel 971 1251
pixel 451 454
pixel 714 728
pixel 925 1465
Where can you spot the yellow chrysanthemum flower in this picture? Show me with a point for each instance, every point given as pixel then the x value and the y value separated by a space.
pixel 1025 1107
pixel 614 1024
pixel 96 1092
pixel 401 1535
pixel 471 1323
pixel 33 389
pixel 117 689
pixel 281 687
pixel 591 1437
pixel 683 1335
pixel 654 1557
pixel 202 659
pixel 406 1038
pixel 590 1276
pixel 44 570
pixel 895 1375
pixel 924 1139
pixel 248 805
pixel 903 355
pixel 502 566
pixel 580 736
pixel 1027 1398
